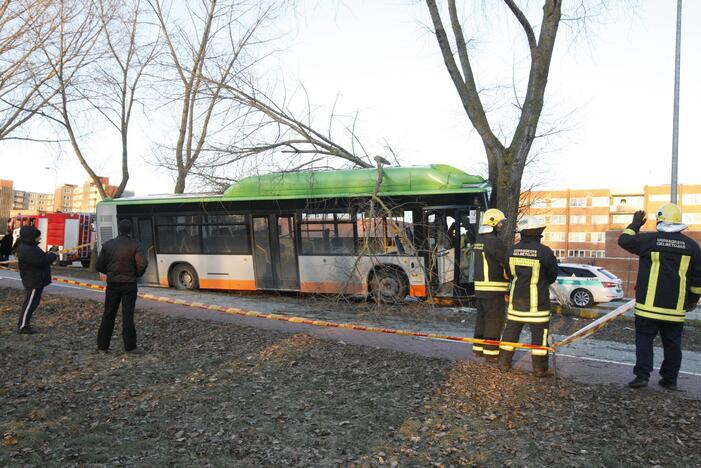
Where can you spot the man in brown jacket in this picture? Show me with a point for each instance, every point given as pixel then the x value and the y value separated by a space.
pixel 122 259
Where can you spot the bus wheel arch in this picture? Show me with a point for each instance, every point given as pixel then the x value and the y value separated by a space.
pixel 388 284
pixel 182 275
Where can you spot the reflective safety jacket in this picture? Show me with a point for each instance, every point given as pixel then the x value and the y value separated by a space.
pixel 490 266
pixel 669 273
pixel 532 269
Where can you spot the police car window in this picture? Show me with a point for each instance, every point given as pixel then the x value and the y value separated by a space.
pixel 582 273
pixel 607 273
pixel 562 271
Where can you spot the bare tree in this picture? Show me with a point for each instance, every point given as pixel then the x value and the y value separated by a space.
pixel 271 135
pixel 506 161
pixel 25 25
pixel 212 38
pixel 99 60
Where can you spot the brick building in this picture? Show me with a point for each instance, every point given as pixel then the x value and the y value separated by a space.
pixel 579 219
pixel 6 199
pixel 584 225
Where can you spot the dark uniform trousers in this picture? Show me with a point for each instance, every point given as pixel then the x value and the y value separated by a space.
pixel 671 333
pixel 116 293
pixel 491 314
pixel 539 336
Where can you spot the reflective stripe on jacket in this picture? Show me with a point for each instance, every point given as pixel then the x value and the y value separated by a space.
pixel 669 273
pixel 490 266
pixel 532 269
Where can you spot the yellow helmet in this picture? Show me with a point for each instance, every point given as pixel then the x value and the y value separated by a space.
pixel 669 213
pixel 492 217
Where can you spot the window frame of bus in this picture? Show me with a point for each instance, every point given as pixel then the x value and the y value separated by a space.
pixel 200 220
pixel 302 222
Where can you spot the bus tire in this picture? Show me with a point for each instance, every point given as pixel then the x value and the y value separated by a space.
pixel 184 277
pixel 388 285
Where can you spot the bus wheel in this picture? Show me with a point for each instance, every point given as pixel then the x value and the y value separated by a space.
pixel 184 277
pixel 388 286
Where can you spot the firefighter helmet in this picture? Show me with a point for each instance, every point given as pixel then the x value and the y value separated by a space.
pixel 492 217
pixel 669 213
pixel 530 223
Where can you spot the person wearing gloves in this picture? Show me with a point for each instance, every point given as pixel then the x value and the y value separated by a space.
pixel 532 269
pixel 491 282
pixel 35 270
pixel 668 284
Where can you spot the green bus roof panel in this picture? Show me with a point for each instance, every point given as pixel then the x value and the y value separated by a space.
pixel 411 180
pixel 435 178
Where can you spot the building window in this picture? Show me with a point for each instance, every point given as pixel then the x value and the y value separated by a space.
pixel 577 237
pixel 597 237
pixel 557 236
pixel 691 199
pixel 539 204
pixel 600 219
pixel 578 219
pixel 598 253
pixel 558 202
pixel 559 253
pixel 558 219
pixel 578 202
pixel 542 218
pixel 622 219
pixel 691 218
pixel 576 253
pixel 659 197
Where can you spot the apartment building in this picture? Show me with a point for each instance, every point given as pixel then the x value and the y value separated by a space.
pixel 6 199
pixel 67 198
pixel 579 219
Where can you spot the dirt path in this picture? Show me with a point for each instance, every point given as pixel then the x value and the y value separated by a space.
pixel 222 394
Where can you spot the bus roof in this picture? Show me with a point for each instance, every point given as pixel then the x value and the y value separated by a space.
pixel 411 180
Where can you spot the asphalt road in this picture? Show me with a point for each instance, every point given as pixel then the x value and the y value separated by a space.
pixel 588 361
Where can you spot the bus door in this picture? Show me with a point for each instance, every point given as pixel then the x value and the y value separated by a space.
pixel 469 218
pixel 441 247
pixel 275 254
pixel 145 233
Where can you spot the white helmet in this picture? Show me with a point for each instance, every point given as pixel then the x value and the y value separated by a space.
pixel 528 223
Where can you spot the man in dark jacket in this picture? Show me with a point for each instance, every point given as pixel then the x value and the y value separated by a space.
pixel 122 259
pixel 532 269
pixel 491 283
pixel 35 270
pixel 668 284
pixel 6 246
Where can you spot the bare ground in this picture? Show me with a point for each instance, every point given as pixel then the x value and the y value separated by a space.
pixel 219 394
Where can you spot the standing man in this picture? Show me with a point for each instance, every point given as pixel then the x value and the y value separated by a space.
pixel 6 246
pixel 532 269
pixel 491 283
pixel 668 284
pixel 122 259
pixel 35 270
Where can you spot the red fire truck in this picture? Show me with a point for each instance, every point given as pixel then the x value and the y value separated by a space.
pixel 63 231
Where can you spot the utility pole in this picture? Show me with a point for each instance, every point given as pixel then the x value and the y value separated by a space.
pixel 675 118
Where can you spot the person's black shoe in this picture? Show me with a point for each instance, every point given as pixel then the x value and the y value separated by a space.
pixel 668 384
pixel 26 331
pixel 541 373
pixel 638 382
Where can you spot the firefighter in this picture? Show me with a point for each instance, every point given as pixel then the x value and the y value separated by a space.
pixel 668 284
pixel 491 282
pixel 532 269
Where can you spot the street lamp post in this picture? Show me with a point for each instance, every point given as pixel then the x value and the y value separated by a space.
pixel 675 118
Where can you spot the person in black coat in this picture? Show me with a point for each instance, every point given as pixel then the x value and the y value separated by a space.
pixel 35 270
pixel 6 246
pixel 122 259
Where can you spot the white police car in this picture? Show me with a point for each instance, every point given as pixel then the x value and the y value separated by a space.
pixel 585 285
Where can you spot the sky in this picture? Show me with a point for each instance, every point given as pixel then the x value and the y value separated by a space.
pixel 609 94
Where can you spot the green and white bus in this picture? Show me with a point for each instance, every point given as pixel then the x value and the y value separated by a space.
pixel 314 232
